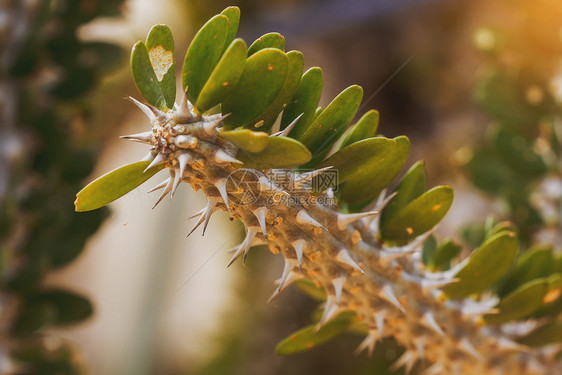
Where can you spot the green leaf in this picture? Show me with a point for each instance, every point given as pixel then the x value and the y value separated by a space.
pixel 271 40
pixel 365 128
pixel 535 263
pixel 203 55
pixel 370 176
pixel 113 185
pixel 306 339
pixel 550 333
pixel 145 77
pixel 308 287
pixel 280 152
pixel 332 122
pixel 246 139
pixel 70 307
pixel 428 250
pixel 296 64
pixel 224 77
pixel 160 46
pixel 520 303
pixel 412 186
pixel 486 265
pixel 419 216
pixel 444 254
pixel 261 82
pixel 304 101
pixel 355 162
pixel 233 15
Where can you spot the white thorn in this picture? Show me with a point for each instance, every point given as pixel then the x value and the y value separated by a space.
pixel 176 183
pixel 183 160
pixel 255 242
pixel 428 285
pixel 221 187
pixel 160 185
pixel 304 218
pixel 380 204
pixel 159 159
pixel 285 132
pixel 206 215
pixel 450 273
pixel 198 213
pixel 435 369
pixel 508 344
pixel 287 278
pixel 210 127
pixel 344 257
pixel 379 320
pixel 344 219
pixel 484 306
pixel 470 349
pixel 420 347
pixel 385 257
pixel 368 343
pixel 430 322
pixel 338 287
pixel 146 137
pixel 222 157
pixel 301 178
pixel 299 250
pixel 408 359
pixel 167 189
pixel 150 156
pixel 387 294
pixel 330 311
pixel 245 245
pixel 143 107
pixel 185 106
pixel 259 213
pixel 266 185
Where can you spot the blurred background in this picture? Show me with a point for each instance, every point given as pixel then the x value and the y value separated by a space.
pixel 443 73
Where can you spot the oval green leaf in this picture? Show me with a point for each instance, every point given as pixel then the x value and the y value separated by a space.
pixel 145 79
pixel 365 128
pixel 520 303
pixel 203 55
pixel 224 77
pixel 412 186
pixel 304 101
pixel 296 64
pixel 271 40
pixel 310 288
pixel 332 122
pixel 160 46
pixel 306 338
pixel 280 152
pixel 550 333
pixel 446 251
pixel 374 176
pixel 233 15
pixel 246 139
pixel 113 185
pixel 534 263
pixel 486 265
pixel 419 216
pixel 261 82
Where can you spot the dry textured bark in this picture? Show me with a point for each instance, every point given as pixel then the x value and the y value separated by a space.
pixel 387 287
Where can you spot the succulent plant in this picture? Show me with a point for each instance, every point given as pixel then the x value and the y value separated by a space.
pixel 315 192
